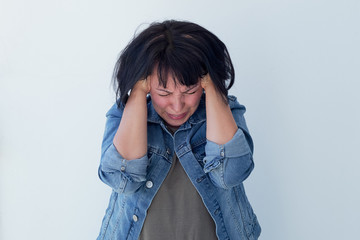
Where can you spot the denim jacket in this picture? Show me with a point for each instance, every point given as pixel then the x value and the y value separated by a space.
pixel 216 171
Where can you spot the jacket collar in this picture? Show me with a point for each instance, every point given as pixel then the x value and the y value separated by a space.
pixel 198 116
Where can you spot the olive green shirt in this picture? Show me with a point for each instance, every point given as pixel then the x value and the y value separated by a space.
pixel 177 211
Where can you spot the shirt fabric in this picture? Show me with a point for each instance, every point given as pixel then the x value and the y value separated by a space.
pixel 216 171
pixel 177 211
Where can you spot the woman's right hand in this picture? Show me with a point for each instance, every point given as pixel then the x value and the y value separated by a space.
pixel 142 86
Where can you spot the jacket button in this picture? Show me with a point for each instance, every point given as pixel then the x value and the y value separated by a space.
pixel 122 168
pixel 149 184
pixel 200 179
pixel 222 154
pixel 135 218
pixel 168 151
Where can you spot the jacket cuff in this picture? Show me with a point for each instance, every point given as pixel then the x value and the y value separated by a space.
pixel 134 170
pixel 216 153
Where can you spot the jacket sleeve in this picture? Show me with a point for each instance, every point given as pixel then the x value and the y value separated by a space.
pixel 122 175
pixel 229 164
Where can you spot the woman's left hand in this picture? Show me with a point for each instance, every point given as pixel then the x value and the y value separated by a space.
pixel 206 81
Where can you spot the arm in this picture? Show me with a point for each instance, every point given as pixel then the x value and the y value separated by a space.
pixel 132 130
pixel 228 149
pixel 221 126
pixel 124 127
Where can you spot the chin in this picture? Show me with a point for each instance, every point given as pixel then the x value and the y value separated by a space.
pixel 173 124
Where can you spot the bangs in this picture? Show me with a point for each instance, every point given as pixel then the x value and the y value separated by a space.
pixel 182 63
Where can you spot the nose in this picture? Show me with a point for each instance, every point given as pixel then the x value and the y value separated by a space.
pixel 178 103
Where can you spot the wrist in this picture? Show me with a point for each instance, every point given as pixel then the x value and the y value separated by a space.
pixel 209 88
pixel 138 92
pixel 137 95
pixel 211 92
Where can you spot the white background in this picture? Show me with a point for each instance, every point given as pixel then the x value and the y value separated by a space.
pixel 297 71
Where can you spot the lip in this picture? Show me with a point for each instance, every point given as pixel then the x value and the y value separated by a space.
pixel 177 116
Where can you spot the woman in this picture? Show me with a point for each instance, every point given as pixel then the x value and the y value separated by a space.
pixel 176 148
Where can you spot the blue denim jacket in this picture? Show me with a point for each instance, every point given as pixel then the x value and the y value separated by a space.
pixel 216 171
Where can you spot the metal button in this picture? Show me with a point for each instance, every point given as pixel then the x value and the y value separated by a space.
pixel 122 168
pixel 222 153
pixel 199 180
pixel 168 151
pixel 135 218
pixel 149 184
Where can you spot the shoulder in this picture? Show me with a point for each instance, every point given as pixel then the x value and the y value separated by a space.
pixel 115 110
pixel 234 104
pixel 238 110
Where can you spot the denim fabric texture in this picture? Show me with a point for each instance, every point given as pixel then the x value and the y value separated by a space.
pixel 216 171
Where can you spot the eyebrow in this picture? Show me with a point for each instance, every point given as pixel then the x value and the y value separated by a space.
pixel 187 90
pixel 191 88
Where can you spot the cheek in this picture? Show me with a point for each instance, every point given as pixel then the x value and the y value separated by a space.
pixel 194 100
pixel 159 102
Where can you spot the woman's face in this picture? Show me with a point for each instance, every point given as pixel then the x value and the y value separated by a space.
pixel 175 103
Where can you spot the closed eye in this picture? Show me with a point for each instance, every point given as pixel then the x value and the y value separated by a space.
pixel 164 95
pixel 163 92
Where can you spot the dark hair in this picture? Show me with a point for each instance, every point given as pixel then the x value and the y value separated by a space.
pixel 183 49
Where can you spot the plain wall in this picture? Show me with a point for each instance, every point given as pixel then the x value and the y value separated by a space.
pixel 297 72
